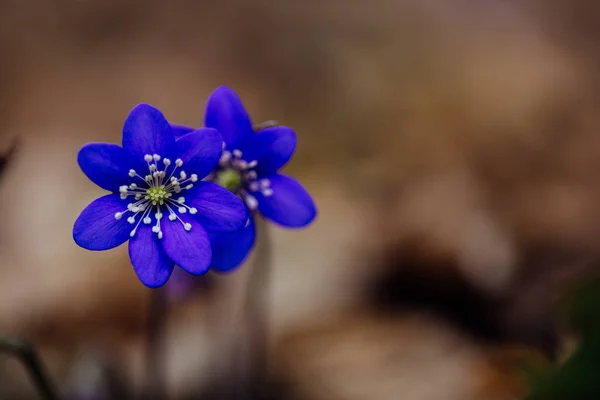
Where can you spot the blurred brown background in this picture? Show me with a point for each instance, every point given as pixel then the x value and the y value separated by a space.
pixel 452 148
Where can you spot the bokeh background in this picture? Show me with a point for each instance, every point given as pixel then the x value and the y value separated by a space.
pixel 452 148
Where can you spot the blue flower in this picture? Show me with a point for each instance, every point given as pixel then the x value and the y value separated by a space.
pixel 249 167
pixel 158 200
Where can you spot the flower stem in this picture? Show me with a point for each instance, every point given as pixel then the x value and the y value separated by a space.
pixel 155 384
pixel 28 355
pixel 257 313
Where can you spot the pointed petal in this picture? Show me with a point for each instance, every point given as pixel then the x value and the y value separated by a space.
pixel 105 164
pixel 146 131
pixel 289 205
pixel 189 250
pixel 180 130
pixel 200 151
pixel 226 113
pixel 97 229
pixel 230 249
pixel 219 210
pixel 271 147
pixel 150 262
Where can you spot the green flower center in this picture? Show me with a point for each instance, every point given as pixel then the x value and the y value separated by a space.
pixel 230 179
pixel 157 194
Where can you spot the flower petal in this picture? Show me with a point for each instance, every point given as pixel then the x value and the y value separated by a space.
pixel 226 113
pixel 289 205
pixel 150 262
pixel 105 164
pixel 230 249
pixel 146 131
pixel 271 147
pixel 200 151
pixel 189 250
pixel 180 130
pixel 97 228
pixel 219 210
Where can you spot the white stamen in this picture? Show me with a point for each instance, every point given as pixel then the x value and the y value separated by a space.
pixel 193 210
pixel 187 226
pixel 252 164
pixel 179 162
pixel 156 157
pixel 182 175
pixel 133 186
pixel 251 175
pixel 132 173
pixel 132 234
pixel 194 178
pixel 123 196
pixel 181 199
pixel 147 220
pixel 160 235
pixel 182 210
pixel 225 157
pixel 253 186
pixel 166 161
pixel 131 220
pixel 172 217
pixel 265 183
pixel 267 192
pixel 158 216
pixel 123 189
pixel 251 202
pixel 188 187
pixel 237 153
pixel 118 215
pixel 155 229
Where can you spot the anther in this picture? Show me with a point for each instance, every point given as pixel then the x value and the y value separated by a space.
pixel 132 234
pixel 265 183
pixel 160 235
pixel 172 217
pixel 131 220
pixel 148 158
pixel 187 226
pixel 188 187
pixel 193 210
pixel 181 199
pixel 179 162
pixel 118 215
pixel 182 175
pixel 132 173
pixel 182 210
pixel 166 161
pixel 155 229
pixel 147 220
pixel 267 192
pixel 251 202
pixel 237 153
pixel 194 178
pixel 123 189
pixel 253 186
pixel 156 157
pixel 252 164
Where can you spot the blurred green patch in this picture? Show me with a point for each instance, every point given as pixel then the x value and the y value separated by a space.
pixel 578 377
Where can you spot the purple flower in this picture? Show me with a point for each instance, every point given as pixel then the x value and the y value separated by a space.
pixel 249 168
pixel 158 200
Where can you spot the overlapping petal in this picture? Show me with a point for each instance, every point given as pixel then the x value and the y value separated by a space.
pixel 290 204
pixel 200 151
pixel 219 210
pixel 97 229
pixel 271 147
pixel 150 262
pixel 189 250
pixel 230 249
pixel 180 130
pixel 226 113
pixel 146 131
pixel 106 165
